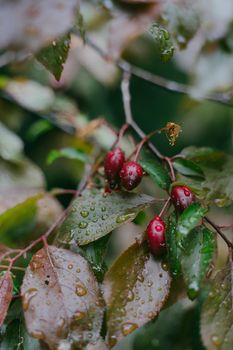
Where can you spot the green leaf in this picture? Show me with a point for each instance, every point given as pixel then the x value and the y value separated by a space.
pixel 217 312
pixel 54 56
pixel 176 328
pixel 187 221
pixel 95 254
pixel 198 253
pixel 135 289
pixel 188 167
pixel 163 40
pixel 96 214
pixel 14 335
pixel 68 152
pixel 19 219
pixel 61 299
pixel 157 172
pixel 37 129
pixel 172 248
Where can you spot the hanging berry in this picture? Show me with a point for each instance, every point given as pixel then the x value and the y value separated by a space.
pixel 113 163
pixel 182 197
pixel 131 175
pixel 156 236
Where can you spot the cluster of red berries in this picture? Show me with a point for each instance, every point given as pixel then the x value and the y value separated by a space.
pixel 181 197
pixel 118 171
pixel 129 174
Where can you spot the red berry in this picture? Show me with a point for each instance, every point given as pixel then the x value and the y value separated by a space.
pixel 131 175
pixel 182 197
pixel 156 236
pixel 113 163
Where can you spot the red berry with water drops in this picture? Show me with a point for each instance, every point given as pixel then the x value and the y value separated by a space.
pixel 156 236
pixel 113 163
pixel 131 175
pixel 182 197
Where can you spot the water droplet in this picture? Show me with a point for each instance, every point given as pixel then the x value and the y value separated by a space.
pixel 128 328
pixel 30 293
pixel 70 266
pixel 78 270
pixel 122 218
pixel 103 208
pixel 80 289
pixel 150 315
pixel 216 341
pixel 54 43
pixel 104 217
pixel 37 335
pixel 83 224
pixel 140 278
pixel 130 296
pixel 79 315
pixel 92 208
pixel 60 327
pixel 84 213
pixel 165 266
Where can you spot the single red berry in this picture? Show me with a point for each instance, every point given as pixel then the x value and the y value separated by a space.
pixel 156 236
pixel 131 175
pixel 182 197
pixel 113 163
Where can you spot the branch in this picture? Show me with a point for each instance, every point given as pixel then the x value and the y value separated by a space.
pixel 217 229
pixel 169 85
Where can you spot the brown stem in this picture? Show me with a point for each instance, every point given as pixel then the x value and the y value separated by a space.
pixel 165 207
pixel 217 229
pixel 168 85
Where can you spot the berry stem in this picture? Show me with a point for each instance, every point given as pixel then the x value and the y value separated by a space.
pixel 165 207
pixel 143 141
pixel 121 134
pixel 217 229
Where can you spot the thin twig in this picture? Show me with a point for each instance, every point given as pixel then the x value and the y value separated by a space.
pixel 169 85
pixel 125 86
pixel 217 229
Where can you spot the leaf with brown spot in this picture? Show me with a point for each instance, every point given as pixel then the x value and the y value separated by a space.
pixel 135 289
pixel 6 289
pixel 217 312
pixel 61 299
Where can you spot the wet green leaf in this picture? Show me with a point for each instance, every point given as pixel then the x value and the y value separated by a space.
pixel 54 56
pixel 163 40
pixel 188 167
pixel 68 152
pixel 14 335
pixel 96 214
pixel 187 221
pixel 135 289
pixel 156 171
pixel 75 319
pixel 217 312
pixel 95 254
pixel 172 248
pixel 198 253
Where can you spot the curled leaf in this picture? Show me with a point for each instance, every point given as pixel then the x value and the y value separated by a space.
pixel 61 299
